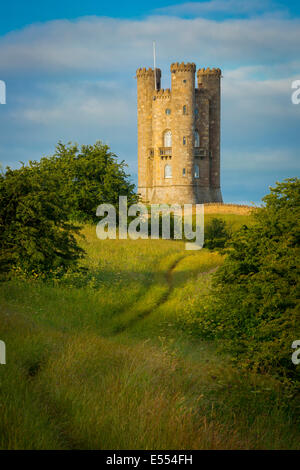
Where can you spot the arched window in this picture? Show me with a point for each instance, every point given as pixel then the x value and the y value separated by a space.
pixel 167 139
pixel 183 172
pixel 184 109
pixel 184 140
pixel 168 171
pixel 196 171
pixel 197 139
pixel 168 111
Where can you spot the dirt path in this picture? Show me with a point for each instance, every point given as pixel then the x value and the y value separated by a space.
pixel 147 311
pixel 135 316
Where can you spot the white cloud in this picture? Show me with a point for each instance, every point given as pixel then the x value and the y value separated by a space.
pixel 236 7
pixel 74 80
pixel 94 102
pixel 106 46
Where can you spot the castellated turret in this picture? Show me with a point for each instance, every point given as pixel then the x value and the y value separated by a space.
pixel 179 136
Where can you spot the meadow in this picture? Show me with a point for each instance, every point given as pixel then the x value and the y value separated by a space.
pixel 100 359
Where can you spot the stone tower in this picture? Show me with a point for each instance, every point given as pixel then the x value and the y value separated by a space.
pixel 179 136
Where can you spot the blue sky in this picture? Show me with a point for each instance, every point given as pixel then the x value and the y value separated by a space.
pixel 69 68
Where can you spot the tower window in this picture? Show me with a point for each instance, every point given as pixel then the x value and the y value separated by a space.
pixel 196 171
pixel 184 140
pixel 183 172
pixel 184 109
pixel 168 111
pixel 168 171
pixel 184 81
pixel 196 111
pixel 168 138
pixel 197 139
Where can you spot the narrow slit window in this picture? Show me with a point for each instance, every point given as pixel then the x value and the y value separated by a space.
pixel 168 138
pixel 196 171
pixel 168 171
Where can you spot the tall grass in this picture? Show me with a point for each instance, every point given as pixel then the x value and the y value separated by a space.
pixel 98 361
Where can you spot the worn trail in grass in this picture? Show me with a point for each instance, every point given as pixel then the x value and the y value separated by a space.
pixel 99 362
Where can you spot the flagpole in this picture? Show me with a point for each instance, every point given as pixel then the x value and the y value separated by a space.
pixel 154 61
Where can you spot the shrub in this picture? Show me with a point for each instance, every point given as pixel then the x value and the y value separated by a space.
pixel 39 201
pixel 254 302
pixel 35 234
pixel 87 177
pixel 216 234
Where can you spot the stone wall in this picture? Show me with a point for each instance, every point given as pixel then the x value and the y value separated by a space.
pixel 182 110
pixel 209 80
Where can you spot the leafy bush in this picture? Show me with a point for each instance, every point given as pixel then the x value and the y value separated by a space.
pixel 216 234
pixel 38 202
pixel 254 302
pixel 35 234
pixel 87 177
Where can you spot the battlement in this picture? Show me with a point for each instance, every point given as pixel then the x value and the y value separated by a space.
pixel 143 72
pixel 163 93
pixel 207 71
pixel 182 67
pixel 179 135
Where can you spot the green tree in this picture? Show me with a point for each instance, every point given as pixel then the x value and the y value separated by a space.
pixel 40 201
pixel 216 234
pixel 254 303
pixel 34 230
pixel 87 177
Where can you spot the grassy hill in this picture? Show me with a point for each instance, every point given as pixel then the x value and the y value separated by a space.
pixel 99 360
